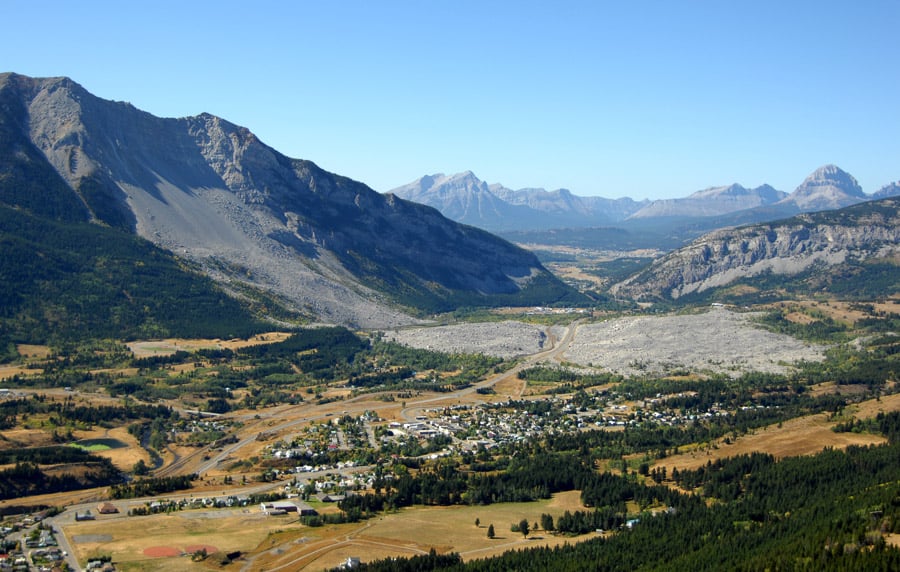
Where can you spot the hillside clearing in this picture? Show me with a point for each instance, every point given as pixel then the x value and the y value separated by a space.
pixel 415 531
pixel 806 435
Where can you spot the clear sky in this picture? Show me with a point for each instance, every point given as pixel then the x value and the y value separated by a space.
pixel 632 98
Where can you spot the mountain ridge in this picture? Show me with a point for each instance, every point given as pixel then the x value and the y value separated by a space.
pixel 712 201
pixel 824 239
pixel 211 191
pixel 828 187
pixel 465 198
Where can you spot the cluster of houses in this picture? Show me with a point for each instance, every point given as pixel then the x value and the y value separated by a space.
pixel 44 539
pixel 495 424
pixel 47 559
pixel 43 552
pixel 14 560
pixel 198 431
pixel 509 422
pixel 474 427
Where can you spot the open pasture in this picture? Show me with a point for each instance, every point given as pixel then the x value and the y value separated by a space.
pixel 157 542
pixel 806 435
pixel 415 531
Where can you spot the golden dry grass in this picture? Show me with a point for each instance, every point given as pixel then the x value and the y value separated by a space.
pixel 226 529
pixel 171 345
pixel 573 272
pixel 510 385
pixel 8 371
pixel 60 499
pixel 33 351
pixel 123 458
pixel 24 438
pixel 837 310
pixel 802 436
pixel 414 531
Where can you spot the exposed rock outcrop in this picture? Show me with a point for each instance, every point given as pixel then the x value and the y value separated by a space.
pixel 828 187
pixel 211 191
pixel 787 247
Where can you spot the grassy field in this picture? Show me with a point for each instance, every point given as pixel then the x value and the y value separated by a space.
pixel 801 436
pixel 122 457
pixel 414 531
pixel 281 543
pixel 134 541
pixel 172 345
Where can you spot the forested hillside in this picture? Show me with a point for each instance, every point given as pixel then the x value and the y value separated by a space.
pixel 831 511
pixel 63 280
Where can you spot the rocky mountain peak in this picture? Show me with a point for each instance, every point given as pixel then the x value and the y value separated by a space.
pixel 828 187
pixel 832 175
pixel 211 191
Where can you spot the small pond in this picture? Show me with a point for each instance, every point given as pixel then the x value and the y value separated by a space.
pixel 99 444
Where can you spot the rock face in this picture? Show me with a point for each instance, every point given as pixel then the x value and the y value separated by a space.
pixel 890 190
pixel 714 201
pixel 827 187
pixel 859 232
pixel 211 191
pixel 464 198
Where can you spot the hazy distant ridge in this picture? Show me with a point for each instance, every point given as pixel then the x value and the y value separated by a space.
pixel 465 198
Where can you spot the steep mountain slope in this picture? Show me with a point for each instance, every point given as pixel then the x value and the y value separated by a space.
pixel 61 280
pixel 714 201
pixel 210 191
pixel 814 242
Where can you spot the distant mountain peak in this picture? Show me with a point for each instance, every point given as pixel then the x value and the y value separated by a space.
pixel 889 190
pixel 466 198
pixel 828 187
pixel 834 175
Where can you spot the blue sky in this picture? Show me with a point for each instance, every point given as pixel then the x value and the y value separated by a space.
pixel 640 99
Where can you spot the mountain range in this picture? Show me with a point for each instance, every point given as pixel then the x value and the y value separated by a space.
pixel 465 198
pixel 216 196
pixel 852 251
